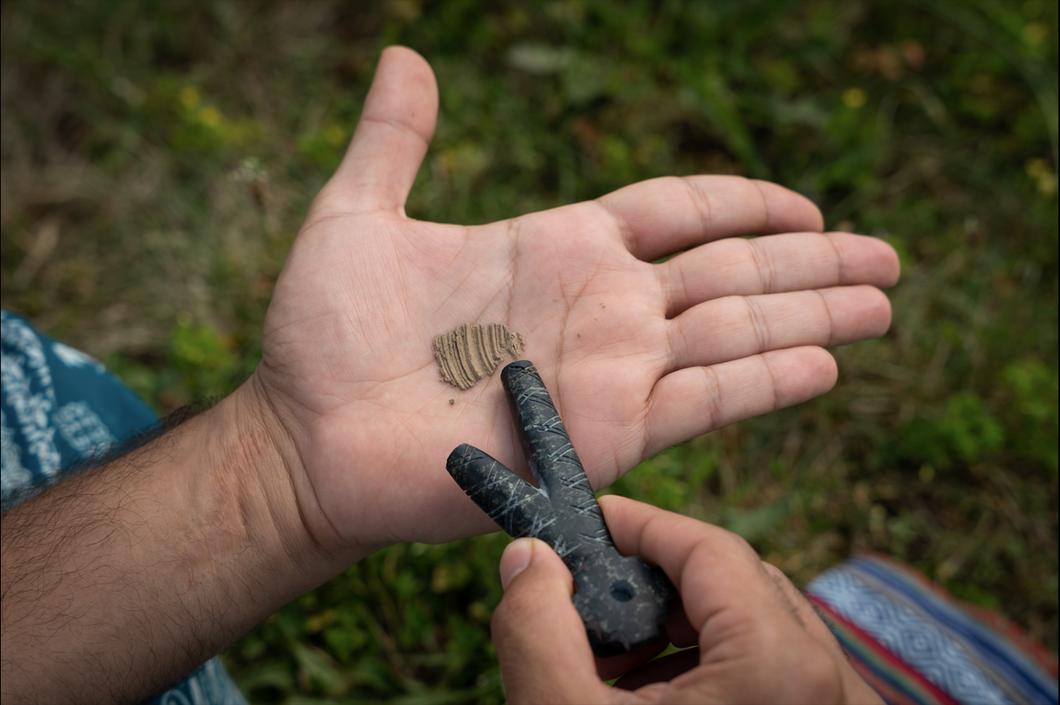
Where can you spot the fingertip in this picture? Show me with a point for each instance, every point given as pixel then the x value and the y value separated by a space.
pixel 855 313
pixel 865 259
pixel 608 501
pixel 628 521
pixel 537 559
pixel 395 50
pixel 877 313
pixel 624 518
pixel 808 371
pixel 892 264
pixel 515 559
pixel 396 126
pixel 823 372
pixel 789 211
pixel 412 65
pixel 404 90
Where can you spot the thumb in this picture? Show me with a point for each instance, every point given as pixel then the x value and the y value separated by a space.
pixel 392 136
pixel 541 643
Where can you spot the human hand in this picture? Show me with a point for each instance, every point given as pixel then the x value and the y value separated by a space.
pixel 638 356
pixel 758 638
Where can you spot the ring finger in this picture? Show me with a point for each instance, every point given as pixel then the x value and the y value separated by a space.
pixel 737 327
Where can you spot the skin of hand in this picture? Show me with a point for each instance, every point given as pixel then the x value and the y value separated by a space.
pixel 637 356
pixel 118 581
pixel 756 638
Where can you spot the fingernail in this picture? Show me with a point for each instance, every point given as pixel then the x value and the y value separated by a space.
pixel 515 559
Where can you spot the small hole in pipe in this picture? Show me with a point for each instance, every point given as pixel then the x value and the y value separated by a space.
pixel 622 591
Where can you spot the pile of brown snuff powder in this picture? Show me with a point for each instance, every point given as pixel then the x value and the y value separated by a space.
pixel 469 353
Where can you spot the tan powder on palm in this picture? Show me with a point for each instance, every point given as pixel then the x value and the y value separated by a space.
pixel 469 353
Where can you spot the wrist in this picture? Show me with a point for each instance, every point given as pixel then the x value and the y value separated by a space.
pixel 219 505
pixel 283 509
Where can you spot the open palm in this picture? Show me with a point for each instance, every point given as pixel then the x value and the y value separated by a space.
pixel 637 356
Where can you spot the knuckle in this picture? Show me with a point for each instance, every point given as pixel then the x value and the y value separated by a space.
pixel 775 573
pixel 738 544
pixel 759 323
pixel 787 589
pixel 712 396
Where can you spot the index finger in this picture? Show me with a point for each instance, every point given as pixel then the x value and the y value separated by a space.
pixel 752 640
pixel 715 571
pixel 660 217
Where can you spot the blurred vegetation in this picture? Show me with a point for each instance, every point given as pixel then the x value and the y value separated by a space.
pixel 157 160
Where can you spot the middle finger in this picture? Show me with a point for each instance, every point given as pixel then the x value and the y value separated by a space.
pixel 774 264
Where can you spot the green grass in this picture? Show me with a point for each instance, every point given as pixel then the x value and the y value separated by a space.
pixel 157 160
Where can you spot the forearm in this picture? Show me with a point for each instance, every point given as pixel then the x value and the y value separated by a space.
pixel 119 581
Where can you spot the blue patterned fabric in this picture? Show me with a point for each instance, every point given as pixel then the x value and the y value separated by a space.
pixel 59 408
pixel 904 624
